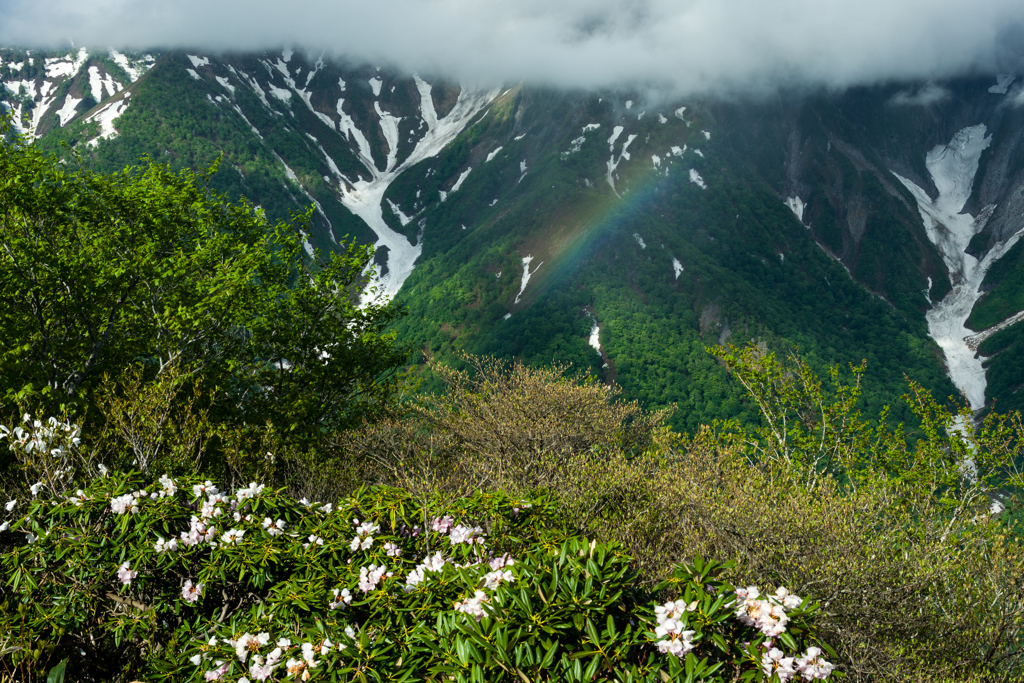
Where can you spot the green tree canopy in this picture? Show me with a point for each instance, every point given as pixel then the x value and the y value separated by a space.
pixel 100 273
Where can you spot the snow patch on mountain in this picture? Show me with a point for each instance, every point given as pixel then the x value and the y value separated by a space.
pixel 122 61
pixel 639 240
pixel 364 198
pixel 395 209
pixel 613 163
pixel 953 168
pixel 527 275
pixel 375 84
pixel 595 337
pixel 61 67
pixel 796 205
pixel 461 179
pixel 697 180
pixel 227 86
pixel 193 74
pixel 198 61
pixel 616 132
pixel 106 116
pixel 67 111
pixel 493 154
pixel 677 267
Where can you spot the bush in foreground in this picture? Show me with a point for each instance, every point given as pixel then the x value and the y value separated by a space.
pixel 175 580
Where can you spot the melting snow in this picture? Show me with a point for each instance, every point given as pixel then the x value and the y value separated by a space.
pixel 191 73
pixel 679 113
pixel 697 180
pixel 282 94
pixel 58 67
pixel 375 83
pixel 198 61
pixel 591 126
pixel 639 240
pixel 122 61
pixel 224 83
pixel 796 205
pixel 629 104
pixel 1003 82
pixel 707 135
pixel 389 126
pixel 662 119
pixel 678 152
pixel 493 154
pixel 506 316
pixel 520 137
pixel 656 160
pixel 462 177
pixel 67 112
pixel 364 198
pixel 698 152
pixel 616 132
pixel 402 218
pixel 953 168
pixel 106 117
pixel 595 337
pixel 677 267
pixel 613 163
pixel 287 54
pixel 527 274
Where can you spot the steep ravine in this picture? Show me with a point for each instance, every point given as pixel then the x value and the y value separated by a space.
pixel 952 168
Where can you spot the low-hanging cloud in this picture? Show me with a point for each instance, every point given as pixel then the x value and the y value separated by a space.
pixel 677 46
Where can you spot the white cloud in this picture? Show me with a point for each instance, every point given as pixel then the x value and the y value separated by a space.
pixel 673 45
pixel 926 95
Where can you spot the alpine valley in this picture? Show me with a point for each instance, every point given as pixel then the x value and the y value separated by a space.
pixel 608 230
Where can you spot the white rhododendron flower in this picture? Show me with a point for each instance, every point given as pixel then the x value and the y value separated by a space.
pixel 36 488
pixel 370 576
pixel 313 540
pixel 392 549
pixel 473 606
pixel 10 504
pixel 191 592
pixel 493 579
pixel 442 525
pixel 775 662
pixel 342 598
pixel 204 489
pixel 163 546
pixel 811 665
pixel 128 503
pixel 251 491
pixel 274 528
pixel 465 534
pixel 232 536
pixel 169 488
pixel 125 574
pixel 5 526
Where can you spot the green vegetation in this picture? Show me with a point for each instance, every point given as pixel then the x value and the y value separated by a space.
pixel 145 276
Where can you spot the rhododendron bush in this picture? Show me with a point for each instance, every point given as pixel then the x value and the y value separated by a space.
pixel 175 579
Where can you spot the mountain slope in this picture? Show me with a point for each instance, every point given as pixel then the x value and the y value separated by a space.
pixel 618 235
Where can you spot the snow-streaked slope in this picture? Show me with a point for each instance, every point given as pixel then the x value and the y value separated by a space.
pixel 953 168
pixel 364 197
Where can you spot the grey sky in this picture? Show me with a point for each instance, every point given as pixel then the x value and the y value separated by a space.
pixel 679 45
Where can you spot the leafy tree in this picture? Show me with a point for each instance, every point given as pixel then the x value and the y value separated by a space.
pixel 100 273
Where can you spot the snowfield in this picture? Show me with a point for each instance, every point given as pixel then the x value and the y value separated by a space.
pixel 953 168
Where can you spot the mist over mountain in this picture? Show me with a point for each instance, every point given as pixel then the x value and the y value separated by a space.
pixel 661 47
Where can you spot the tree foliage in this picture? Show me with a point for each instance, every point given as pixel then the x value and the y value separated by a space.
pixel 147 268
